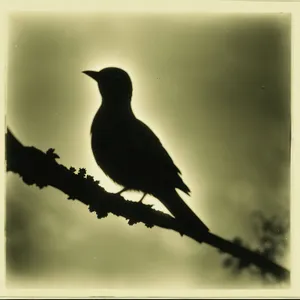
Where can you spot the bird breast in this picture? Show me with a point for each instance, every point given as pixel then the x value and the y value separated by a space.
pixel 110 138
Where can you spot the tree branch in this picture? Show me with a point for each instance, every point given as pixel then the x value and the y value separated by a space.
pixel 41 169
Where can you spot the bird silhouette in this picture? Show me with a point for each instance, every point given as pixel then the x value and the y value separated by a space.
pixel 130 153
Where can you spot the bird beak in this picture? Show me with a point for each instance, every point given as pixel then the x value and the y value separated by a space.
pixel 91 74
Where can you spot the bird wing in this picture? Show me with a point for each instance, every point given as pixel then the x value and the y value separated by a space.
pixel 148 157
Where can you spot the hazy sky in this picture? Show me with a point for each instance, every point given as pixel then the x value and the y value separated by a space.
pixel 214 88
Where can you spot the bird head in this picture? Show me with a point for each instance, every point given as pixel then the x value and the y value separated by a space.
pixel 113 83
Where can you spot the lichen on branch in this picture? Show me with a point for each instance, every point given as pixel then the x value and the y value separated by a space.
pixel 42 169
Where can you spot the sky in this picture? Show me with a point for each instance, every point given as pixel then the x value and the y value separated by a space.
pixel 215 88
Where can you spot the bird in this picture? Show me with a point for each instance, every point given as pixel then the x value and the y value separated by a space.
pixel 130 153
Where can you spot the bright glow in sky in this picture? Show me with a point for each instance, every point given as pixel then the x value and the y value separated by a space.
pixel 215 89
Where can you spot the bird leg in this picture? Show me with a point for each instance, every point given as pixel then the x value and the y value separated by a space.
pixel 123 190
pixel 126 189
pixel 143 197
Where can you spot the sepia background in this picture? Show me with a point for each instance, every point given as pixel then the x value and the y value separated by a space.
pixel 215 88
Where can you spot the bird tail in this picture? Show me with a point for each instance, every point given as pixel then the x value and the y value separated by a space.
pixel 180 210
